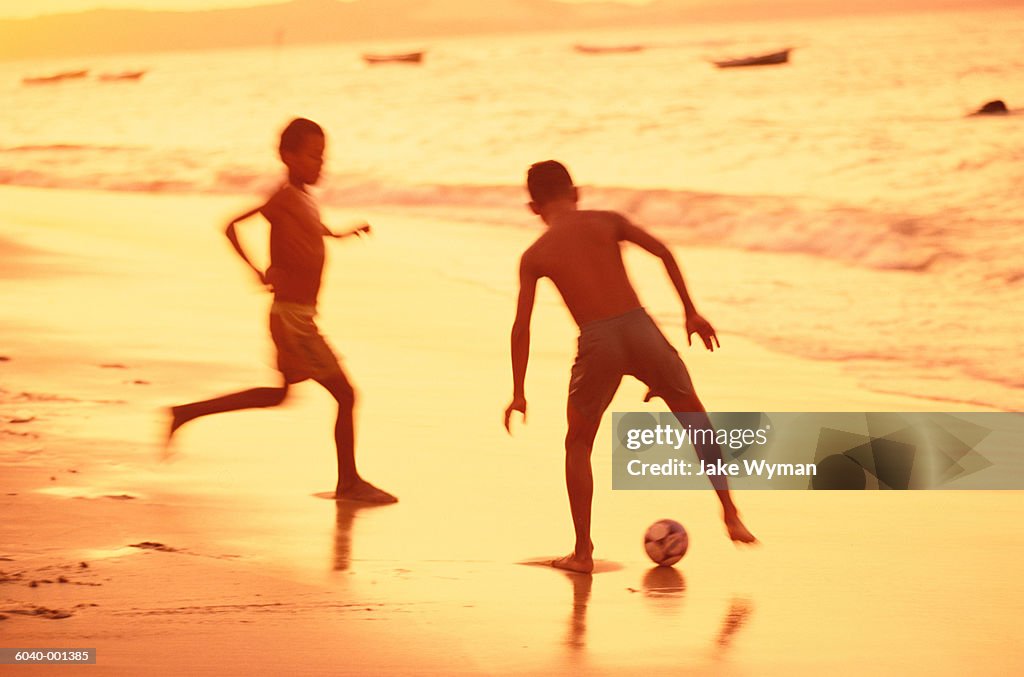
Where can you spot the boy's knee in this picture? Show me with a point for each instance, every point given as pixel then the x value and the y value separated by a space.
pixel 578 443
pixel 577 459
pixel 346 395
pixel 340 388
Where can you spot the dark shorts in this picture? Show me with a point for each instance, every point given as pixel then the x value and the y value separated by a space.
pixel 626 344
pixel 302 352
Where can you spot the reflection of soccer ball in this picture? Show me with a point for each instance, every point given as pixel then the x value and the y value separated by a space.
pixel 666 542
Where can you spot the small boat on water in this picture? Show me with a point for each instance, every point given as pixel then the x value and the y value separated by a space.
pixel 608 49
pixel 120 77
pixel 770 59
pixel 408 57
pixel 995 107
pixel 57 77
pixel 46 79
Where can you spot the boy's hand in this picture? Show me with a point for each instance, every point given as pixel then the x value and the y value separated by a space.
pixel 695 324
pixel 517 404
pixel 358 231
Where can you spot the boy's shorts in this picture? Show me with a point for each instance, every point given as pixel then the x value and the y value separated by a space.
pixel 302 352
pixel 626 344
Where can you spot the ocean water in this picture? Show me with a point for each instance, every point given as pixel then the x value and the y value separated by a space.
pixel 901 217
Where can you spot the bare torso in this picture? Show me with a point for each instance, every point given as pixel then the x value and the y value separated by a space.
pixel 581 255
pixel 296 246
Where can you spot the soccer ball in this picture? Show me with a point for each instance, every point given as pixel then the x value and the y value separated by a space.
pixel 666 542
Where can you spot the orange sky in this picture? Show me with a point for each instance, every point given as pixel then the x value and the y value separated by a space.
pixel 42 7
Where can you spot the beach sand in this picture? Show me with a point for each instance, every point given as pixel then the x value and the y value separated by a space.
pixel 223 560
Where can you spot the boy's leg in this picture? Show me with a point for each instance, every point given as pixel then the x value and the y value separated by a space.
pixel 579 481
pixel 689 410
pixel 246 399
pixel 595 377
pixel 659 366
pixel 350 485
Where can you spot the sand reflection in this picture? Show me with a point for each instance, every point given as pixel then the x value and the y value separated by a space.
pixel 576 638
pixel 735 618
pixel 664 589
pixel 346 514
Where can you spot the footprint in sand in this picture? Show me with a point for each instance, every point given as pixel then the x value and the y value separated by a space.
pixel 151 545
pixel 39 612
pixel 86 493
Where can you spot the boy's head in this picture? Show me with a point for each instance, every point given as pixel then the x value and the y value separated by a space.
pixel 302 150
pixel 547 182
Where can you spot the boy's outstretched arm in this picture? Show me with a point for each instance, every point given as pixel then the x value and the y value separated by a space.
pixel 521 340
pixel 358 231
pixel 233 238
pixel 695 324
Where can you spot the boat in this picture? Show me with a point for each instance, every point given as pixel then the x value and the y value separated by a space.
pixel 116 77
pixel 995 107
pixel 57 77
pixel 408 57
pixel 608 49
pixel 771 59
pixel 46 79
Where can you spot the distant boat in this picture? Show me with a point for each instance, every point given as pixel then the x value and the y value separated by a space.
pixel 58 77
pixel 771 59
pixel 42 80
pixel 408 57
pixel 127 75
pixel 996 107
pixel 608 49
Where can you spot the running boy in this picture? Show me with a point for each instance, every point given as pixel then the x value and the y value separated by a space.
pixel 294 276
pixel 580 253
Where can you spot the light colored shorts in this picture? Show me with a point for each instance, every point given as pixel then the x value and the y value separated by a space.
pixel 626 344
pixel 302 353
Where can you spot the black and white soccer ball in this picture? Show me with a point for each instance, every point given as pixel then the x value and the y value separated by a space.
pixel 666 542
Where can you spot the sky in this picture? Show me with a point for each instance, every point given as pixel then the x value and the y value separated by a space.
pixel 10 9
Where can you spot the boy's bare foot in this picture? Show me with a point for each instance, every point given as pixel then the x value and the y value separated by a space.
pixel 738 531
pixel 581 564
pixel 573 562
pixel 364 492
pixel 176 422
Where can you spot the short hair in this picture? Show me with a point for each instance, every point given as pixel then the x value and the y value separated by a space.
pixel 296 131
pixel 548 181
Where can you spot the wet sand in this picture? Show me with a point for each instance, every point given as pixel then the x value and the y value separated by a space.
pixel 224 560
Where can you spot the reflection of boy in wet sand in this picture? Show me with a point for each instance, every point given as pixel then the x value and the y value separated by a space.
pixel 296 267
pixel 581 254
